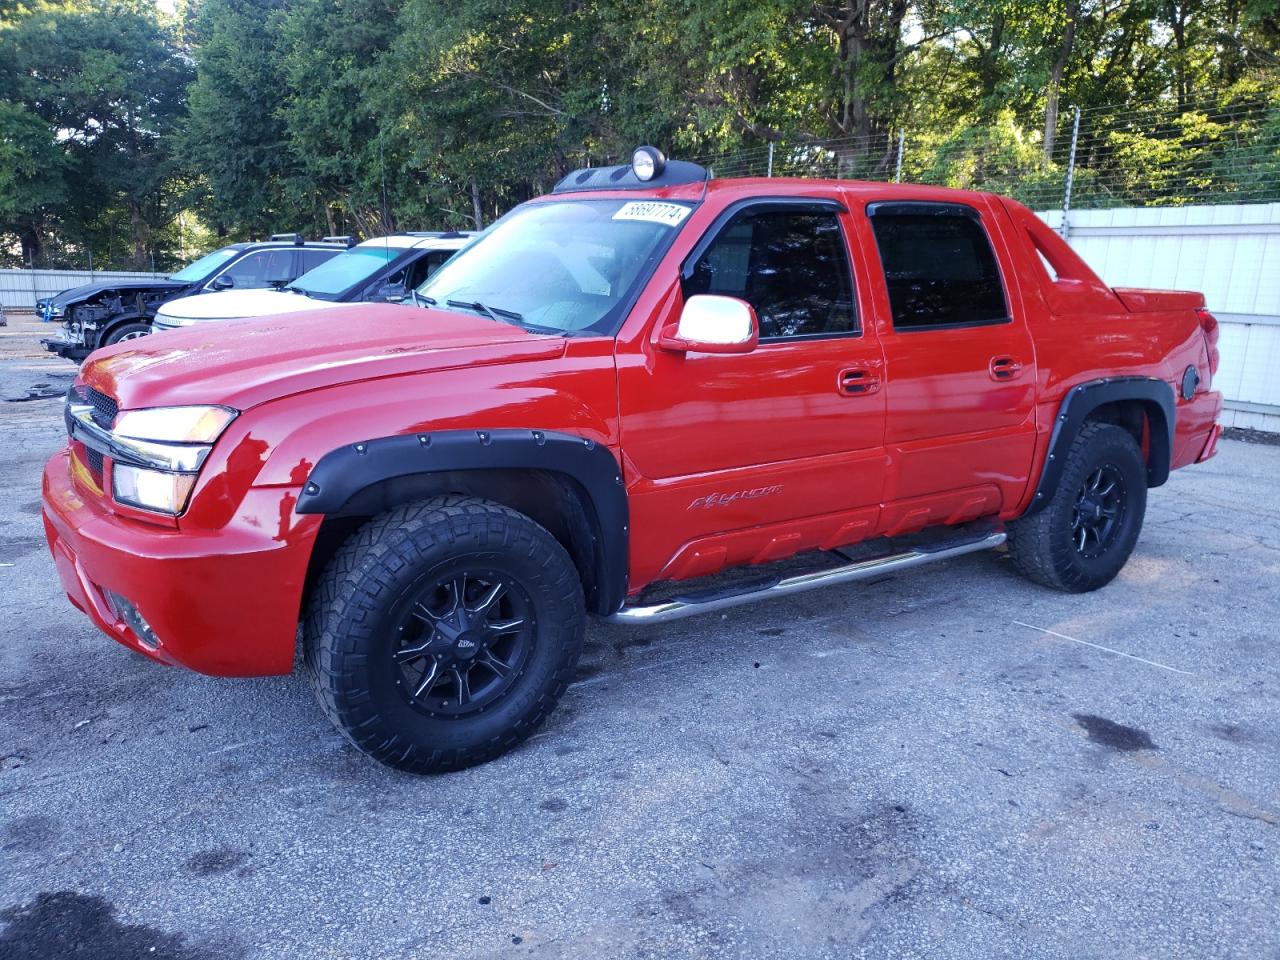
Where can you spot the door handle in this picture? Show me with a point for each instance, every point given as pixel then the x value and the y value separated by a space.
pixel 1004 368
pixel 857 382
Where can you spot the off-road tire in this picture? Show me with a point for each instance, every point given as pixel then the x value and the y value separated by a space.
pixel 1041 545
pixel 349 643
pixel 127 331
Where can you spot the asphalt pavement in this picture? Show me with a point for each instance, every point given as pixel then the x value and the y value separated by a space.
pixel 950 762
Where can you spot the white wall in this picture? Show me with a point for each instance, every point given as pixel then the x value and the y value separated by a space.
pixel 20 289
pixel 1229 252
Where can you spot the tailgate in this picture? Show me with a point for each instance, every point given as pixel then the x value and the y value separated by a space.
pixel 1139 300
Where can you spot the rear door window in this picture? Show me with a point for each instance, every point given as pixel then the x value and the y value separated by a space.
pixel 792 266
pixel 938 266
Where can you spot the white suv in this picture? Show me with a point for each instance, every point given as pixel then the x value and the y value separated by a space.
pixel 383 269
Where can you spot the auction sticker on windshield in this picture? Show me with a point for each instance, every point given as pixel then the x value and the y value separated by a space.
pixel 671 214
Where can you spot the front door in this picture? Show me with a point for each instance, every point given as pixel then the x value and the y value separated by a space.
pixel 752 457
pixel 960 417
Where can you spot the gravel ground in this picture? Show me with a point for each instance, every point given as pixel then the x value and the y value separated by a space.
pixel 947 763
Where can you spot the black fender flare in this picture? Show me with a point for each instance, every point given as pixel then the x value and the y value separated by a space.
pixel 1155 395
pixel 342 473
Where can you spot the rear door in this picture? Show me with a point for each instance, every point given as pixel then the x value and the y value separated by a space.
pixel 960 411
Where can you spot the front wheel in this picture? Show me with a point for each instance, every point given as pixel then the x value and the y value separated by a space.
pixel 1085 534
pixel 444 632
pixel 127 331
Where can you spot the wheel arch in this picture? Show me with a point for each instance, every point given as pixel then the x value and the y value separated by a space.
pixel 569 485
pixel 118 321
pixel 1144 406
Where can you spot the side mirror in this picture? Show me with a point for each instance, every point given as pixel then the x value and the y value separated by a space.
pixel 391 292
pixel 712 324
pixel 222 282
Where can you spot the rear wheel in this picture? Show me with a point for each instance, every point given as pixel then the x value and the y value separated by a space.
pixel 444 632
pixel 127 331
pixel 1084 536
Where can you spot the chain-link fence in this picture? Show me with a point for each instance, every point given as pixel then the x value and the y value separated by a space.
pixel 1157 154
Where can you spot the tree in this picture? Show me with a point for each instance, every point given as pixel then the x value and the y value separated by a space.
pixel 106 80
pixel 233 138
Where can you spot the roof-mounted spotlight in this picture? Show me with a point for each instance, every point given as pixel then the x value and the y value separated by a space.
pixel 647 163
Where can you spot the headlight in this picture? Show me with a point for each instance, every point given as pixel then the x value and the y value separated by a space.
pixel 156 453
pixel 170 438
pixel 151 489
pixel 174 424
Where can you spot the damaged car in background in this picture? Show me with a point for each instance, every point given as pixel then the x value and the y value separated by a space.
pixel 114 310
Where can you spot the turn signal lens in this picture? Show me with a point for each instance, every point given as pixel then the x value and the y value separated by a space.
pixel 152 490
pixel 174 424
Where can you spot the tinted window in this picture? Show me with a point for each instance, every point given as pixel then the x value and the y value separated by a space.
pixel 792 267
pixel 428 265
pixel 416 273
pixel 258 270
pixel 940 271
pixel 313 258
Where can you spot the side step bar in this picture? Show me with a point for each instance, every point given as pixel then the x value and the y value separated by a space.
pixel 689 605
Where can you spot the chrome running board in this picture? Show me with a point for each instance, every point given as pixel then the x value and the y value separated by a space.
pixel 688 605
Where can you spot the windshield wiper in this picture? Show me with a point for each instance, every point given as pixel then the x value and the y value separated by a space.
pixel 499 314
pixel 496 314
pixel 292 289
pixel 419 300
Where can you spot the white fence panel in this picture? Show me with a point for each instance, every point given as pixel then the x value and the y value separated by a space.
pixel 20 289
pixel 1229 252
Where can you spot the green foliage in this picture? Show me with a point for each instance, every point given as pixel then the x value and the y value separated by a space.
pixel 106 81
pixel 233 138
pixel 133 137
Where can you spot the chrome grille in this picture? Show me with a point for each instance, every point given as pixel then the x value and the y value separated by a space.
pixel 104 408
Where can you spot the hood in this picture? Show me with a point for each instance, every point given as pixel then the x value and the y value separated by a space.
pixel 238 304
pixel 87 290
pixel 241 363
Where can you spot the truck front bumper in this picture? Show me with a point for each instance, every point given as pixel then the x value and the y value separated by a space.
pixel 62 348
pixel 223 602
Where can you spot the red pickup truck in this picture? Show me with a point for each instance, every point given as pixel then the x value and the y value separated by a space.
pixel 643 378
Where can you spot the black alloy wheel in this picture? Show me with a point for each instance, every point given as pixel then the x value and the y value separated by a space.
pixel 1098 511
pixel 443 632
pixel 1084 535
pixel 463 641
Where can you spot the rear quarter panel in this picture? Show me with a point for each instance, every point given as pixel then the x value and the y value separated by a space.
pixel 1084 332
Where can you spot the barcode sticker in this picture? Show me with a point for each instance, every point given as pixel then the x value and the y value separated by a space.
pixel 669 214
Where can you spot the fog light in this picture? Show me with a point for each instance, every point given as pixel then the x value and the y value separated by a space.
pixel 126 611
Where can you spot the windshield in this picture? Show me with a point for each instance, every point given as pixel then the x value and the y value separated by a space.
pixel 562 266
pixel 204 266
pixel 339 274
